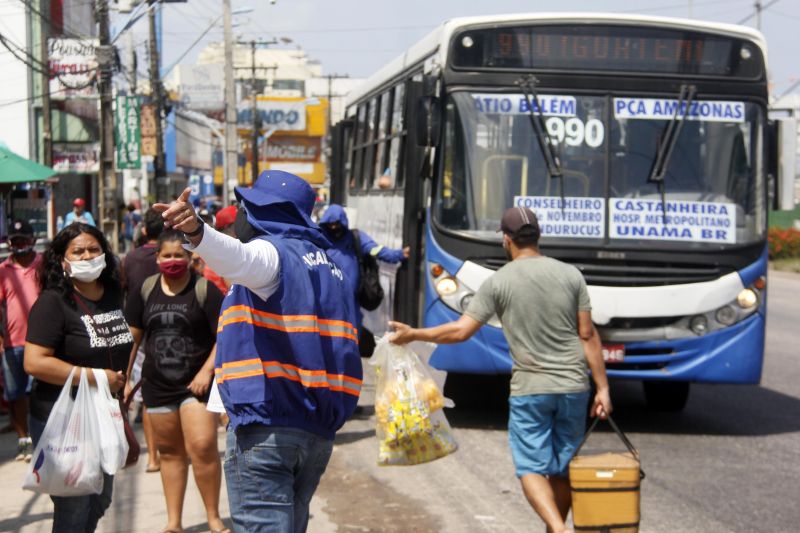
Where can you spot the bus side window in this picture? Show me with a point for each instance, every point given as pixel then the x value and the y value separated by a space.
pixel 358 150
pixel 382 174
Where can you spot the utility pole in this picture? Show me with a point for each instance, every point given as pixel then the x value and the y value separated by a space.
pixel 47 128
pixel 107 179
pixel 256 118
pixel 332 77
pixel 159 173
pixel 231 152
pixel 758 15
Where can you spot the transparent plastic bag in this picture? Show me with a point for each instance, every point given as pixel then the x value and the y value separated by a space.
pixel 111 431
pixel 411 426
pixel 66 461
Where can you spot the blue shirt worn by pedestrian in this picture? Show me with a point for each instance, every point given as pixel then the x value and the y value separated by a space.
pixel 343 250
pixel 86 217
pixel 291 360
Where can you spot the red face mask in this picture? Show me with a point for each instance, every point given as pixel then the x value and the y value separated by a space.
pixel 173 268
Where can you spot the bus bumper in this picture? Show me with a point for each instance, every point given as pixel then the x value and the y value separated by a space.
pixel 728 355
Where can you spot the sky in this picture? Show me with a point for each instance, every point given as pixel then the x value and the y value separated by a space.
pixel 357 37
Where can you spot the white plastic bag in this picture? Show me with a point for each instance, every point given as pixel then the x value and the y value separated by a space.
pixel 111 431
pixel 411 427
pixel 66 461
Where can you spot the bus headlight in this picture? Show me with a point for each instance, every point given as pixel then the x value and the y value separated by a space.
pixel 726 315
pixel 446 286
pixel 699 324
pixel 465 300
pixel 747 298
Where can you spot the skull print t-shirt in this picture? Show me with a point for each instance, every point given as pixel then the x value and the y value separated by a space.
pixel 178 337
pixel 102 340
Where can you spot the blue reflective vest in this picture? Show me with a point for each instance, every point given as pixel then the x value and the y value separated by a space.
pixel 292 360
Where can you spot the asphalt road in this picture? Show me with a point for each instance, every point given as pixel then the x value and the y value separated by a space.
pixel 727 463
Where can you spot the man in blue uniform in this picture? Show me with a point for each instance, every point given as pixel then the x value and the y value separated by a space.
pixel 287 367
pixel 345 251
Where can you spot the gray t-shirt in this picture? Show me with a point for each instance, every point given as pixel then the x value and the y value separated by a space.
pixel 537 300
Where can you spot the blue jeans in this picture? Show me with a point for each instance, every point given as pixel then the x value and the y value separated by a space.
pixel 272 473
pixel 75 514
pixel 18 383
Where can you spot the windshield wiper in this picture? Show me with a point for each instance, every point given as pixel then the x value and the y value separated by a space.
pixel 527 85
pixel 669 139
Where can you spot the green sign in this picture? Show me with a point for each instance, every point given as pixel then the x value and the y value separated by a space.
pixel 127 134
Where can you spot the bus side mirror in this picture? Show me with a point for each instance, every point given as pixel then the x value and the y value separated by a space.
pixel 428 121
pixel 785 148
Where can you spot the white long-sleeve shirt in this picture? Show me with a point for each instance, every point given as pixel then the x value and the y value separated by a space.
pixel 255 265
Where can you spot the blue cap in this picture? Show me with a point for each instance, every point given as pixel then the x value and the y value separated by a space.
pixel 279 187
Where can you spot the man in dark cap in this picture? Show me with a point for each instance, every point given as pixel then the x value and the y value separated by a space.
pixel 18 291
pixel 287 368
pixel 544 308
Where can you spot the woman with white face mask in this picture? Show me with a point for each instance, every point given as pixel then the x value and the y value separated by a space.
pixel 77 321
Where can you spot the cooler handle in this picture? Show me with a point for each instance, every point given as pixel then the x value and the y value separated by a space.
pixel 619 433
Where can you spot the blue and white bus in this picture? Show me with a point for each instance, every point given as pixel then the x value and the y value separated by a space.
pixel 642 144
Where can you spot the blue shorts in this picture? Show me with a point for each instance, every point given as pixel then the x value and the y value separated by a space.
pixel 17 382
pixel 544 430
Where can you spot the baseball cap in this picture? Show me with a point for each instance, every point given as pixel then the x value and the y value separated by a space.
pixel 280 187
pixel 226 216
pixel 517 218
pixel 80 202
pixel 20 228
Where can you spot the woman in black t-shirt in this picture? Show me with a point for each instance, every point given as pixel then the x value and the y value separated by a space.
pixel 177 315
pixel 78 265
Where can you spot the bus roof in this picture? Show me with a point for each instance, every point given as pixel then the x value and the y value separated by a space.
pixel 435 43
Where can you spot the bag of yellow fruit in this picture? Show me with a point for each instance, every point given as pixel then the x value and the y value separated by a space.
pixel 411 426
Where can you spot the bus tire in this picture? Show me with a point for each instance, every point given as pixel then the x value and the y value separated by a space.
pixel 666 395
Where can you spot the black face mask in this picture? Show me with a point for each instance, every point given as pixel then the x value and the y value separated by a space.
pixel 245 232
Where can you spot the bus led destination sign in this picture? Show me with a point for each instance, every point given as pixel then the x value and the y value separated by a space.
pixel 606 48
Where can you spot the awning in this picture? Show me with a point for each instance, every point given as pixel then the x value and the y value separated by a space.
pixel 17 169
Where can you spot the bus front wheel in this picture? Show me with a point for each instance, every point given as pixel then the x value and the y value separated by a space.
pixel 666 395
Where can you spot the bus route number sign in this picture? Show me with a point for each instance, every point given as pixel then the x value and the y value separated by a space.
pixel 613 353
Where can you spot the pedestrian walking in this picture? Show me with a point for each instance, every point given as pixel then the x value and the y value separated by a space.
pixel 287 365
pixel 19 289
pixel 344 252
pixel 176 313
pixel 545 311
pixel 78 214
pixel 130 220
pixel 77 321
pixel 140 264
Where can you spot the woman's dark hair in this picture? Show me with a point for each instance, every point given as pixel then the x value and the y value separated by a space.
pixel 51 272
pixel 170 235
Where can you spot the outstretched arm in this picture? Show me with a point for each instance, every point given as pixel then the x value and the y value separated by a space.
pixel 389 255
pixel 450 333
pixel 255 265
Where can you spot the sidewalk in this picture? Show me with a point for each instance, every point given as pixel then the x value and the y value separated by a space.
pixel 137 506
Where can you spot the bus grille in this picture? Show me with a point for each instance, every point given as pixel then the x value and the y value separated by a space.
pixel 630 273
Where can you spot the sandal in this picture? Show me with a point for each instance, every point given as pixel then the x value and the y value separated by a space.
pixel 151 469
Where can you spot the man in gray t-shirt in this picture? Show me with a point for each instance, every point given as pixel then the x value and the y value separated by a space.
pixel 545 311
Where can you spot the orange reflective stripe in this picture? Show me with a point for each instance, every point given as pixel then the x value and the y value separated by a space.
pixel 276 369
pixel 287 323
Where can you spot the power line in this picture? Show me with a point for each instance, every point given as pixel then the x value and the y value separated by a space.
pixel 759 9
pixel 34 97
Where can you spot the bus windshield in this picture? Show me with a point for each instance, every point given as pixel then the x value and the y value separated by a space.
pixel 606 145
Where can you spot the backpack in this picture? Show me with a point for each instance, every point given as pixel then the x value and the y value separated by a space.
pixel 370 292
pixel 200 289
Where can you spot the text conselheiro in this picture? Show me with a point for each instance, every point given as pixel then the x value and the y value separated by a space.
pixel 664 109
pixel 682 220
pixel 571 217
pixel 516 104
